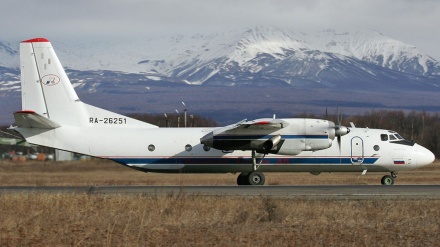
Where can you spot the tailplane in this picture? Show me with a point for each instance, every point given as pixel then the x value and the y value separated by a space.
pixel 48 93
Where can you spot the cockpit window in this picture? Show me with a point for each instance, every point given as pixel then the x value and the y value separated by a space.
pixel 395 138
pixel 398 136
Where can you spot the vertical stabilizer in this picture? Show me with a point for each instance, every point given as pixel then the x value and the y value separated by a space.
pixel 47 91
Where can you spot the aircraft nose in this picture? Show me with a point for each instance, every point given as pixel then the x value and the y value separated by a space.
pixel 424 156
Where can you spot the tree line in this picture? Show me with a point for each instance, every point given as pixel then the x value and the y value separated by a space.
pixel 175 120
pixel 420 127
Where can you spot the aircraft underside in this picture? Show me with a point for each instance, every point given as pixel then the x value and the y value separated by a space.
pixel 250 175
pixel 210 168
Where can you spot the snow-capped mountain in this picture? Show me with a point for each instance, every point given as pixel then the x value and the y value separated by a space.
pixel 9 56
pixel 254 55
pixel 288 73
pixel 257 56
pixel 375 48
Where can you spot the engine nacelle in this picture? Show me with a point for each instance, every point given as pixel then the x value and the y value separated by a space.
pixel 291 138
pixel 266 147
pixel 271 143
pixel 313 134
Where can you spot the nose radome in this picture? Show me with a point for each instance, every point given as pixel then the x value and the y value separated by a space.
pixel 424 156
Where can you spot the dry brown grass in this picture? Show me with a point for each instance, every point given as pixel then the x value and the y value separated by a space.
pixel 44 219
pixel 182 220
pixel 102 172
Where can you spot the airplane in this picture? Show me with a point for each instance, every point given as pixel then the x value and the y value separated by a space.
pixel 52 115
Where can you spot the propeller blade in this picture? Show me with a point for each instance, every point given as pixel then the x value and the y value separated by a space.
pixel 339 144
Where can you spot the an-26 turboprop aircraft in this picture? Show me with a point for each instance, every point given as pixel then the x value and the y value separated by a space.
pixel 52 115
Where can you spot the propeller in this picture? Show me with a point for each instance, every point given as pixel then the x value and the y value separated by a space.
pixel 340 130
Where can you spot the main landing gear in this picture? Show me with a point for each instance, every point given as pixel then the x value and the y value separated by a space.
pixel 254 177
pixel 388 179
pixel 251 178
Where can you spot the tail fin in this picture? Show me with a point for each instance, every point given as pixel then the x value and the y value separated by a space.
pixel 47 91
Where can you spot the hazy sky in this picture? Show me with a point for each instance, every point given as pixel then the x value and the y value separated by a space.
pixel 411 21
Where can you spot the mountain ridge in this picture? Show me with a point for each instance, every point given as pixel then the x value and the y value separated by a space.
pixel 265 70
pixel 195 59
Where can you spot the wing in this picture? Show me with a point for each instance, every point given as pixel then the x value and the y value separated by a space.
pixel 259 134
pixel 264 123
pixel 267 124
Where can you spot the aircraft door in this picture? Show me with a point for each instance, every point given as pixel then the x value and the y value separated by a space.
pixel 357 150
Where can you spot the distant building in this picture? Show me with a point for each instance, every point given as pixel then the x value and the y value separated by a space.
pixel 61 155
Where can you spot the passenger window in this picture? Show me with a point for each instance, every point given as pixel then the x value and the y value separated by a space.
pixel 384 137
pixel 392 137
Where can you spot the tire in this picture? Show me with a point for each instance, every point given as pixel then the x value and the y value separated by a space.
pixel 242 179
pixel 387 180
pixel 256 178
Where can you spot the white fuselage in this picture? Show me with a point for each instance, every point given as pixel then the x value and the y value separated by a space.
pixel 179 150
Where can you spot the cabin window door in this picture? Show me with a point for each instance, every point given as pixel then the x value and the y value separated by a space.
pixel 357 150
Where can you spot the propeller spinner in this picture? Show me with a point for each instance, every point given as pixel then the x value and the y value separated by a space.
pixel 340 131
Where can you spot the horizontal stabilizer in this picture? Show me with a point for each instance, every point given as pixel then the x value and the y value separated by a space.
pixel 31 119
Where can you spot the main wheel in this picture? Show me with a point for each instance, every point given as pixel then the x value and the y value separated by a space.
pixel 387 180
pixel 256 178
pixel 242 179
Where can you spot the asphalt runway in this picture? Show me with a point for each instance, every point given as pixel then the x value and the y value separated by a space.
pixel 311 192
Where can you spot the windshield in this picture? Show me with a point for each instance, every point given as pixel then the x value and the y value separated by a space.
pixel 395 138
pixel 399 137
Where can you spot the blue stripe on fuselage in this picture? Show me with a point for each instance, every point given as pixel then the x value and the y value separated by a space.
pixel 238 161
pixel 247 137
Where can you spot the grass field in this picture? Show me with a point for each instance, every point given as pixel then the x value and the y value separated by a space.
pixel 42 219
